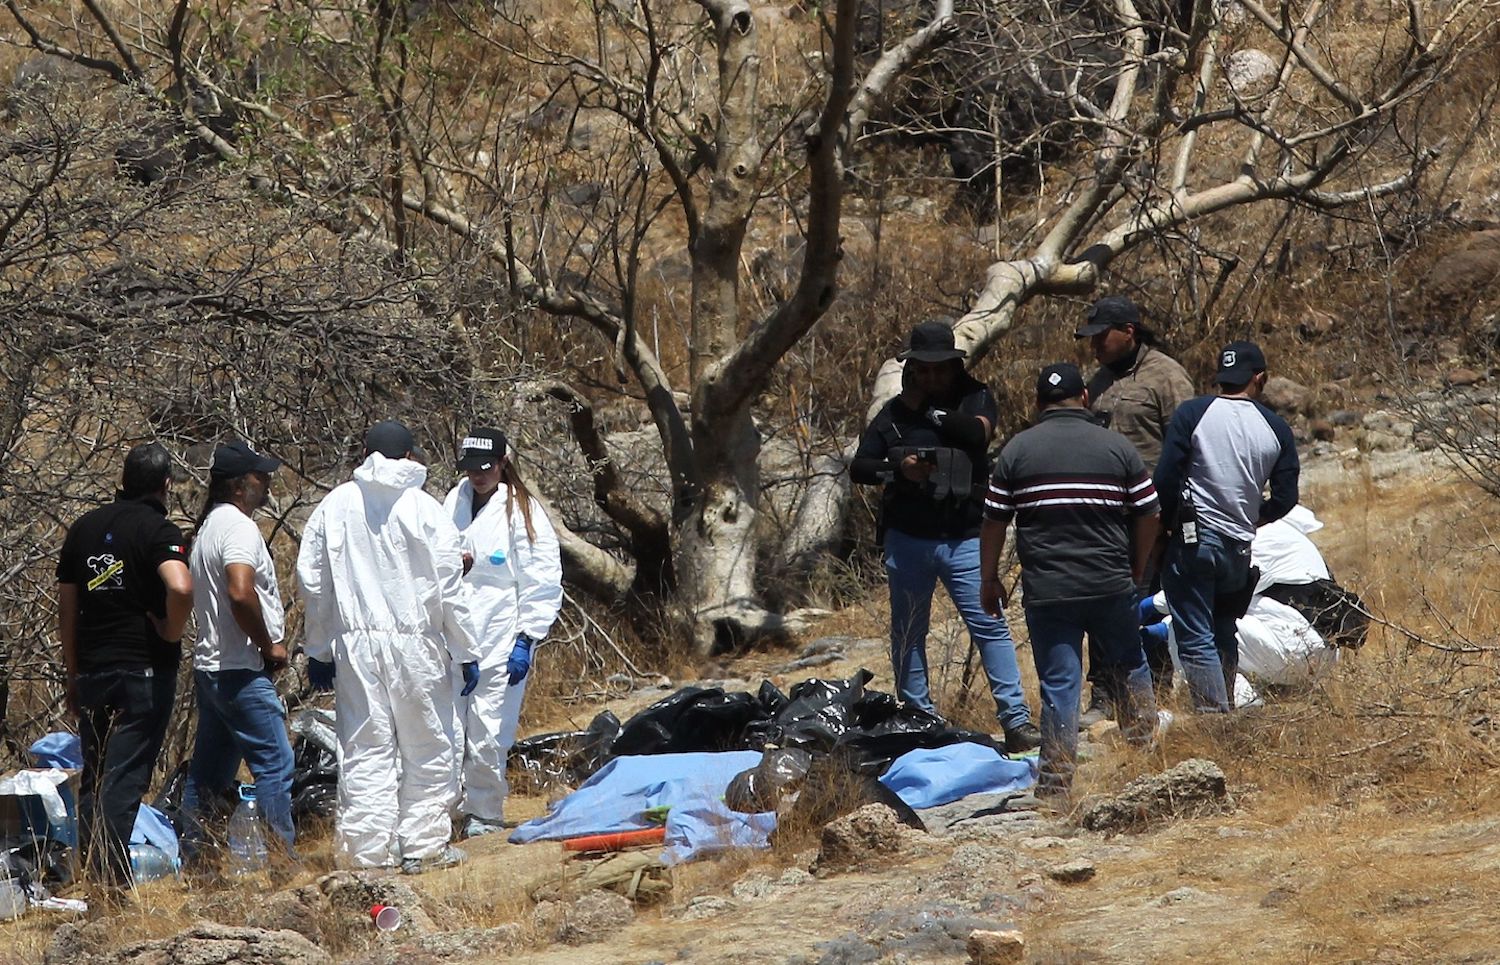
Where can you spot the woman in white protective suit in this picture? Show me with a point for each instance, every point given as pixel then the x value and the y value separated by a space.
pixel 381 573
pixel 515 572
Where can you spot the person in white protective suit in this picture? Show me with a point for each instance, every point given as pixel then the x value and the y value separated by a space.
pixel 1278 646
pixel 515 572
pixel 387 611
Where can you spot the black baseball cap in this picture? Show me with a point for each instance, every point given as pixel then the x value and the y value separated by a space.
pixel 1059 381
pixel 481 449
pixel 393 440
pixel 1111 311
pixel 1239 362
pixel 235 459
pixel 931 342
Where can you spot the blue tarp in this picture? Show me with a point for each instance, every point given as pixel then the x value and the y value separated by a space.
pixel 929 777
pixel 61 749
pixel 618 795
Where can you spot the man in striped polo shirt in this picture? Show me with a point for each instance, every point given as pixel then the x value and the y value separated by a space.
pixel 1075 490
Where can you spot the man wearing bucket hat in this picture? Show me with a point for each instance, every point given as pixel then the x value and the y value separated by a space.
pixel 239 649
pixel 928 448
pixel 1220 453
pixel 381 572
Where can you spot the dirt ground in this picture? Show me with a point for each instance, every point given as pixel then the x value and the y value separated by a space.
pixel 1364 825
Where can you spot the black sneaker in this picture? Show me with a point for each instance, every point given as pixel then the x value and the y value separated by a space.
pixel 1100 709
pixel 1022 738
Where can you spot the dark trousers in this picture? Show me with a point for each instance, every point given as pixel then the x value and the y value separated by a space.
pixel 122 724
pixel 1158 658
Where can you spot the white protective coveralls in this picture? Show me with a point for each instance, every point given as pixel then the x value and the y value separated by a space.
pixel 517 588
pixel 381 572
pixel 1277 644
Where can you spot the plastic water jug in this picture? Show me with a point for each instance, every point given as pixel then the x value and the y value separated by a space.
pixel 149 863
pixel 247 835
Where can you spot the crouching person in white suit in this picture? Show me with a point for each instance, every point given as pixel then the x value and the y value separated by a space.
pixel 515 572
pixel 1279 646
pixel 381 571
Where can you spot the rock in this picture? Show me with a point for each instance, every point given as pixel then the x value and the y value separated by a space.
pixel 1072 872
pixel 1193 787
pixel 1316 325
pixel 209 944
pixel 996 947
pixel 301 910
pixel 1461 377
pixel 595 916
pixel 1285 396
pixel 707 906
pixel 1250 73
pixel 1277 897
pixel 848 841
pixel 1322 430
pixel 77 942
pixel 350 895
pixel 468 943
pixel 1344 417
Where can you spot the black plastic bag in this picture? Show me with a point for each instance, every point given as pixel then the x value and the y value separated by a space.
pixel 762 787
pixel 692 719
pixel 563 757
pixel 819 712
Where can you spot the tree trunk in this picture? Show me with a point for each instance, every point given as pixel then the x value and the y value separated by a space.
pixel 715 545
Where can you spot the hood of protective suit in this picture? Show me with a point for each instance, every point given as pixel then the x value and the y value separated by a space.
pixel 378 472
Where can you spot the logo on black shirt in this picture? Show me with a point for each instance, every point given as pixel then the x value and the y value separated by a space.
pixel 107 572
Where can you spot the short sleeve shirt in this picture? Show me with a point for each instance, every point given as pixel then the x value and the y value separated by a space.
pixel 111 554
pixel 228 536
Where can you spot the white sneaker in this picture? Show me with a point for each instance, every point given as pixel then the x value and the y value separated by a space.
pixel 446 858
pixel 477 827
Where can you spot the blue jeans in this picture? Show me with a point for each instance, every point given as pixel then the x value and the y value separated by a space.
pixel 1206 644
pixel 240 717
pixel 913 567
pixel 1057 631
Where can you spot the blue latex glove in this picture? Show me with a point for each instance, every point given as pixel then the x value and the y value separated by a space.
pixel 320 674
pixel 1156 633
pixel 520 659
pixel 1149 614
pixel 471 678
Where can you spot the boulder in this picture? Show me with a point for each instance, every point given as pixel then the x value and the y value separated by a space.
pixel 1251 73
pixel 1191 788
pixel 593 917
pixel 1286 397
pixel 206 943
pixel 849 841
pixel 996 947
pixel 1072 872
pixel 1457 378
pixel 350 894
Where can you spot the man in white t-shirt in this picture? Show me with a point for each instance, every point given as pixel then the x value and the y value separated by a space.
pixel 239 650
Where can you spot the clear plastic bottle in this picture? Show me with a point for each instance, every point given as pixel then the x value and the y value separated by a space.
pixel 150 863
pixel 247 835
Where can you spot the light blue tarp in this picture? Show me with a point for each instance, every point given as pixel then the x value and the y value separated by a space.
pixel 927 778
pixel 618 795
pixel 62 749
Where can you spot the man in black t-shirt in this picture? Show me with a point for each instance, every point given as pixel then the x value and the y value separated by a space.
pixel 929 447
pixel 124 595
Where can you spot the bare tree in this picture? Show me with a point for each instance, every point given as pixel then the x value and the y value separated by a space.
pixel 523 180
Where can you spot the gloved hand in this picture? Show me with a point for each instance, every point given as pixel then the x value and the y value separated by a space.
pixel 520 659
pixel 471 678
pixel 1149 614
pixel 320 674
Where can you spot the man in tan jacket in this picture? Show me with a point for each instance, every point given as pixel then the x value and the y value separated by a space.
pixel 1134 391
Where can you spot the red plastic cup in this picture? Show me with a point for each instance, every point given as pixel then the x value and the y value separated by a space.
pixel 386 917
